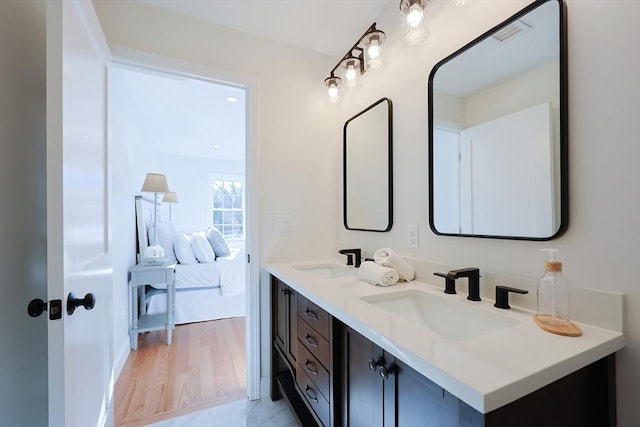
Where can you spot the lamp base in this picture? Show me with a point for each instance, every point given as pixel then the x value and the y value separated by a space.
pixel 153 255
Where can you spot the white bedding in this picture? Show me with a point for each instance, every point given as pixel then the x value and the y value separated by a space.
pixel 199 305
pixel 227 273
pixel 204 291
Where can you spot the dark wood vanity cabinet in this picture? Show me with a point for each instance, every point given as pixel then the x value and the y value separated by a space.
pixel 380 390
pixel 301 356
pixel 330 375
pixel 284 307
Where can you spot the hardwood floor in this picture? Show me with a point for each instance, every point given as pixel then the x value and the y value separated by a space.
pixel 204 366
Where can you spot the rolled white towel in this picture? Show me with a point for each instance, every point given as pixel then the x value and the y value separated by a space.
pixel 377 274
pixel 388 258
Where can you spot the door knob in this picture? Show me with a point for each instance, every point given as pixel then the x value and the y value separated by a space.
pixel 36 307
pixel 88 302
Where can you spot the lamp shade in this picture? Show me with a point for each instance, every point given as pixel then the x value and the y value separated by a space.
pixel 155 183
pixel 170 197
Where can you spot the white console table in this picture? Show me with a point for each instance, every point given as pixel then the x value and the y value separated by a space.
pixel 139 320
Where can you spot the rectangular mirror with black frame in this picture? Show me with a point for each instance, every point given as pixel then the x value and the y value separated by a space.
pixel 498 131
pixel 368 169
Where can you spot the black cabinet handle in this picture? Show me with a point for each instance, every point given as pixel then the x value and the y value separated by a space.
pixel 284 291
pixel 379 366
pixel 384 372
pixel 313 396
pixel 310 313
pixel 310 341
pixel 308 369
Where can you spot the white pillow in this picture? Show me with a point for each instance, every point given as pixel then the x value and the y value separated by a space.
pixel 166 237
pixel 201 247
pixel 218 243
pixel 183 249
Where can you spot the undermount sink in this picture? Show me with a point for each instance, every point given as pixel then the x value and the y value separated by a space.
pixel 456 320
pixel 328 271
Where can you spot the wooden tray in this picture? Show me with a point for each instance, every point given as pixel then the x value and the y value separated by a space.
pixel 568 330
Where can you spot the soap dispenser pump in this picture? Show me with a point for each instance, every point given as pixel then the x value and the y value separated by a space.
pixel 552 313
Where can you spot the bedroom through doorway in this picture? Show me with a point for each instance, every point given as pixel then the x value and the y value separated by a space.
pixel 194 131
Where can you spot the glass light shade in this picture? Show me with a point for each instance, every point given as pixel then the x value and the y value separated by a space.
pixel 333 85
pixel 413 29
pixel 351 66
pixel 373 42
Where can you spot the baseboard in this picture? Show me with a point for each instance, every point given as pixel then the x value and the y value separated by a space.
pixel 121 357
pixel 265 387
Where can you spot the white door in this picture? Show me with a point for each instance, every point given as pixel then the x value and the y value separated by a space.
pixel 78 241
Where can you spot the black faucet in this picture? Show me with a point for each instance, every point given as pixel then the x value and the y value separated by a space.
pixel 474 281
pixel 351 254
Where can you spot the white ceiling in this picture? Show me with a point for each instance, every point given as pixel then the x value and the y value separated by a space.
pixel 187 117
pixel 325 26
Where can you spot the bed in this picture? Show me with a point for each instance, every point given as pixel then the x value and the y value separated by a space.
pixel 204 290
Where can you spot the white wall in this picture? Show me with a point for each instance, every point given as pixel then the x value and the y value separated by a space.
pixel 299 139
pixel 297 131
pixel 601 249
pixel 23 263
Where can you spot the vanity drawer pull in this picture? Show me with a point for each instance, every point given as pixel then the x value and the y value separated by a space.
pixel 312 396
pixel 310 313
pixel 308 369
pixel 310 341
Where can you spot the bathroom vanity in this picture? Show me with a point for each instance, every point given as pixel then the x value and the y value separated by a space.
pixel 345 353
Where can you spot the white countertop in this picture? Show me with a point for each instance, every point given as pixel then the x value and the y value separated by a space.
pixel 487 371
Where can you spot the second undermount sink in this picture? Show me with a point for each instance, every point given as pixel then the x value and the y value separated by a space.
pixel 456 320
pixel 328 271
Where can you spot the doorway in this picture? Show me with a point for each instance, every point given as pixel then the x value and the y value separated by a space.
pixel 195 130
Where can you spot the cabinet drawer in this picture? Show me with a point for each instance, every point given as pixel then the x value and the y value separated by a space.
pixel 314 316
pixel 151 277
pixel 313 396
pixel 317 345
pixel 314 370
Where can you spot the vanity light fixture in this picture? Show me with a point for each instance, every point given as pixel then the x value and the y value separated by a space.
pixel 414 13
pixel 365 54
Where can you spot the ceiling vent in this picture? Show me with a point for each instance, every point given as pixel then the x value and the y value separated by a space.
pixel 511 30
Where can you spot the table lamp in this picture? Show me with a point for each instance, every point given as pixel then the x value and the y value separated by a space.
pixel 157 184
pixel 171 197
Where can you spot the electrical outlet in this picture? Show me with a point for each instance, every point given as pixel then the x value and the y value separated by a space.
pixel 413 237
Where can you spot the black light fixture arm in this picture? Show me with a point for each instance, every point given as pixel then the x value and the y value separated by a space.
pixel 355 47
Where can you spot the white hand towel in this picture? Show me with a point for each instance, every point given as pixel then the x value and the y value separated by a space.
pixel 377 274
pixel 388 258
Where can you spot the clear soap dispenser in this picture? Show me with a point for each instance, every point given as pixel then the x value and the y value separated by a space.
pixel 553 293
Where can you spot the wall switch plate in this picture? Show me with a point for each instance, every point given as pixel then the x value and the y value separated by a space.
pixel 413 237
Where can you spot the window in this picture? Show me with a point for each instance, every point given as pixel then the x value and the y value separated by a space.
pixel 225 205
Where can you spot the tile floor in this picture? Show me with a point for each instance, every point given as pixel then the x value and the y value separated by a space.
pixel 243 413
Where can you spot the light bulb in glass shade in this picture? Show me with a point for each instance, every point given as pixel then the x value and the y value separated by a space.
pixel 333 88
pixel 351 73
pixel 413 21
pixel 415 16
pixel 374 50
pixel 373 42
pixel 351 67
